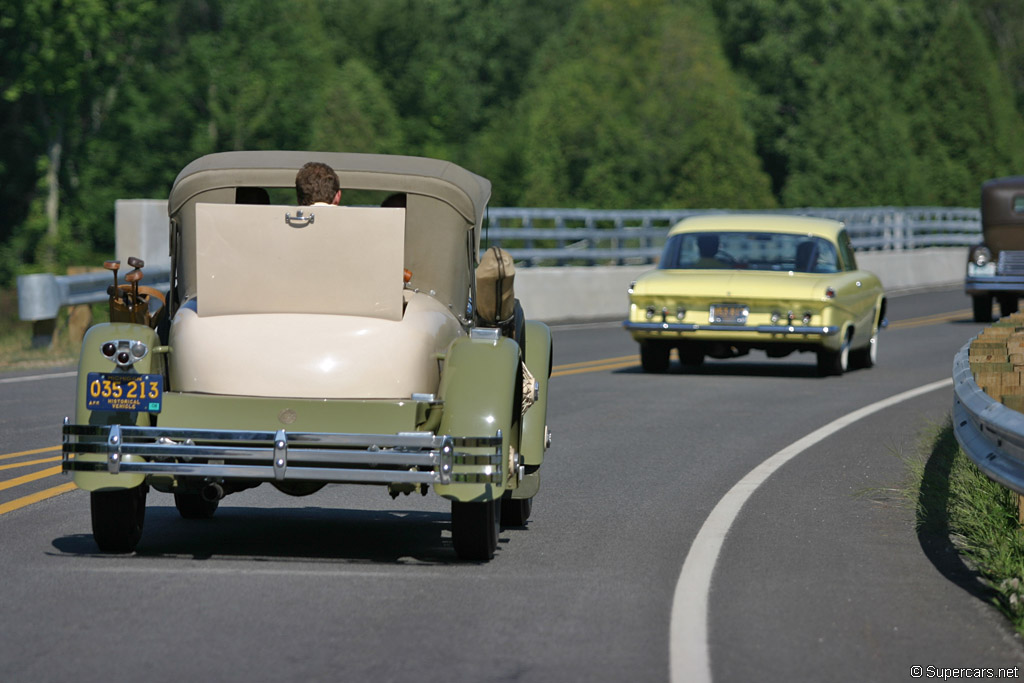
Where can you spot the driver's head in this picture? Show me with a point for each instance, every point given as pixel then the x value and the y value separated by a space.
pixel 317 182
pixel 707 245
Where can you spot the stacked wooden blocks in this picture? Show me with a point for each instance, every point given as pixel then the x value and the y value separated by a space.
pixel 997 361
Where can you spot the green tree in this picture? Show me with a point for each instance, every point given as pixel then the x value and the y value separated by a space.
pixel 449 67
pixel 254 78
pixel 63 66
pixel 1004 22
pixel 214 77
pixel 965 128
pixel 851 143
pixel 786 50
pixel 634 105
pixel 357 114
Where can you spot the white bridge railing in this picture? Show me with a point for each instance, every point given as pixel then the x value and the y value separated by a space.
pixel 557 237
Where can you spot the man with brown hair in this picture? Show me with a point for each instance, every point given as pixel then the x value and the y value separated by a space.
pixel 317 184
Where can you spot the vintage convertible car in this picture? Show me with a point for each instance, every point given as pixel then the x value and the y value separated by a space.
pixel 727 284
pixel 301 346
pixel 995 268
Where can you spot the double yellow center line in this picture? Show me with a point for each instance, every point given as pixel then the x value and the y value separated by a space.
pixel 25 501
pixel 595 365
pixel 933 319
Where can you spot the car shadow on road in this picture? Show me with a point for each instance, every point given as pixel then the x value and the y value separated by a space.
pixel 933 525
pixel 308 534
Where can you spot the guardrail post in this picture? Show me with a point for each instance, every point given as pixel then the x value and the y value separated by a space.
pixel 39 299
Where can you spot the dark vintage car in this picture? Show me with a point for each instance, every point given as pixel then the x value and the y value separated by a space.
pixel 995 268
pixel 301 346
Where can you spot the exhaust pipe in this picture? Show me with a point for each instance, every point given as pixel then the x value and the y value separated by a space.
pixel 212 492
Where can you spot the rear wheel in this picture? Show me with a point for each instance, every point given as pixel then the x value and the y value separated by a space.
pixel 982 308
pixel 867 356
pixel 475 529
pixel 515 511
pixel 117 518
pixel 194 506
pixel 1008 304
pixel 654 356
pixel 835 362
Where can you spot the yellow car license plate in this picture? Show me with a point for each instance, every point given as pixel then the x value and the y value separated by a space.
pixel 728 314
pixel 120 391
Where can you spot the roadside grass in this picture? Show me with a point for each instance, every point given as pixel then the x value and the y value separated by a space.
pixel 17 351
pixel 956 501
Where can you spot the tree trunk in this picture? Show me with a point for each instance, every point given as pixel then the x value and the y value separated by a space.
pixel 53 154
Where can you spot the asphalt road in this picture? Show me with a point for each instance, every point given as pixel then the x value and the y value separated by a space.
pixel 819 575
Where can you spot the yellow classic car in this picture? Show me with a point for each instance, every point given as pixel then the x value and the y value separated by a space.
pixel 730 283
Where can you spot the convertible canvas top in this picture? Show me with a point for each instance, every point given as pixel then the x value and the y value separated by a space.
pixel 464 191
pixel 444 209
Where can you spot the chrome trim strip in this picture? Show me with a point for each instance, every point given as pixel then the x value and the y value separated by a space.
pixel 65 441
pixel 803 330
pixel 487 333
pixel 280 455
pixel 114 449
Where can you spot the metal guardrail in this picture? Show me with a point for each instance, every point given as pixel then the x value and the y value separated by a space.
pixel 42 295
pixel 991 434
pixel 559 237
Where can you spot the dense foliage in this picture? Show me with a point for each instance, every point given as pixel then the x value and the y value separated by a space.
pixel 597 103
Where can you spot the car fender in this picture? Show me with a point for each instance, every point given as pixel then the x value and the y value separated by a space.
pixel 538 361
pixel 93 360
pixel 478 388
pixel 868 317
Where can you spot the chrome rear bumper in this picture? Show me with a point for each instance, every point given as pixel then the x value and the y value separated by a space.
pixel 803 330
pixel 417 458
pixel 994 283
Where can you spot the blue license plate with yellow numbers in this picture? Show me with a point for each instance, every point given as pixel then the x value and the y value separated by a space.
pixel 124 392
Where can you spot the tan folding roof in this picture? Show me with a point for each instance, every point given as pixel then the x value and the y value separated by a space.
pixel 466 192
pixel 445 207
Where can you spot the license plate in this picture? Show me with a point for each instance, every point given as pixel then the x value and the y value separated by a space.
pixel 728 314
pixel 124 392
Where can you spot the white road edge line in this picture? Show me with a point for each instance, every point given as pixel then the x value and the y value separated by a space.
pixel 689 659
pixel 32 378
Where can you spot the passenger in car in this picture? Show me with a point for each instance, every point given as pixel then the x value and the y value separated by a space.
pixel 316 184
pixel 707 245
pixel 806 256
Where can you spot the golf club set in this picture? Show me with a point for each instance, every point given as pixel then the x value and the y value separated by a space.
pixel 131 302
